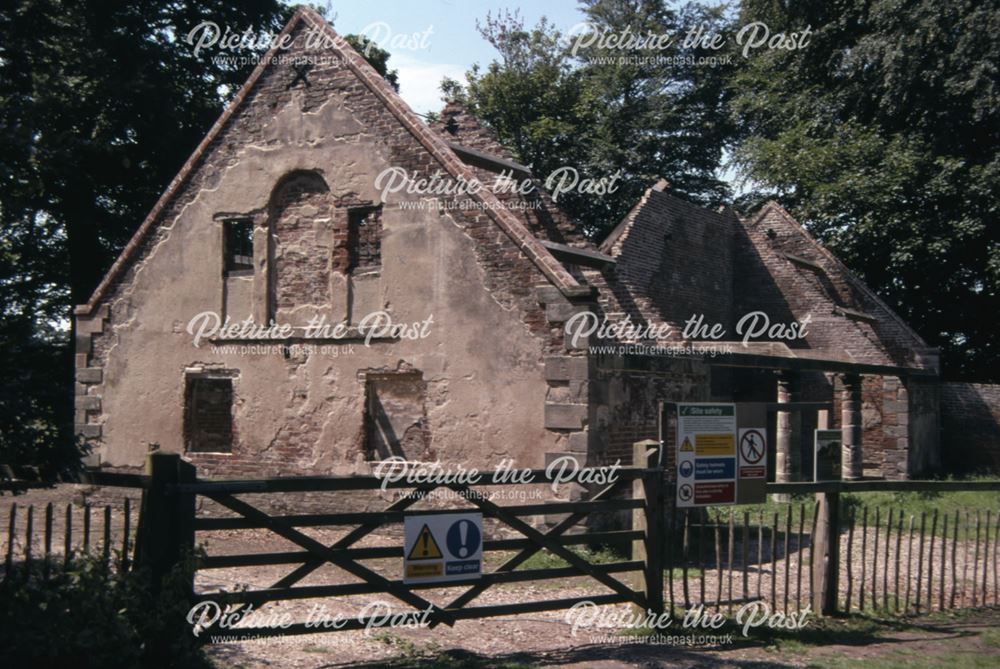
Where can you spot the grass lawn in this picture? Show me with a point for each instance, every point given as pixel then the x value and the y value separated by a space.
pixel 911 504
pixel 904 659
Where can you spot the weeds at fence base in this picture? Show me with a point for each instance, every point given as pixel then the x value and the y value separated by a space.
pixel 86 615
pixel 956 653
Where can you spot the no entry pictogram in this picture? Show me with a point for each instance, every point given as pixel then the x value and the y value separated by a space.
pixel 752 446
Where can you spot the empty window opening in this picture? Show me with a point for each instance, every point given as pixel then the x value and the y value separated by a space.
pixel 364 239
pixel 238 245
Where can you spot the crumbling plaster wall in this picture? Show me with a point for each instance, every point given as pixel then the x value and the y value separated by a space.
pixel 482 362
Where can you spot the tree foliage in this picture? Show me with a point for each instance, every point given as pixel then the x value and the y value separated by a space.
pixel 564 100
pixel 882 136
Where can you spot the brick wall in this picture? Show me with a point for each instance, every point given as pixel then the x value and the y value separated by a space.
pixel 510 275
pixel 364 239
pixel 885 426
pixel 816 283
pixel 895 442
pixel 627 396
pixel 396 417
pixel 970 427
pixel 676 260
pixel 306 240
pixel 208 420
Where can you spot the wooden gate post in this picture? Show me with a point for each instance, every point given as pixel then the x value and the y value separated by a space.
pixel 650 520
pixel 166 532
pixel 826 554
pixel 184 512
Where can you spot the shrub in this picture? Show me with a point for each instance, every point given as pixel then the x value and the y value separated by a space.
pixel 86 615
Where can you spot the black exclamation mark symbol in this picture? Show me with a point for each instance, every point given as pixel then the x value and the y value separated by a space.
pixel 424 537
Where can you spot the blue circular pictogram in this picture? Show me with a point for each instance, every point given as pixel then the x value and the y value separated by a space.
pixel 686 469
pixel 463 538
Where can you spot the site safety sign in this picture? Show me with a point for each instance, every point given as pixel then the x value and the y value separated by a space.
pixel 442 547
pixel 721 457
pixel 751 473
pixel 706 454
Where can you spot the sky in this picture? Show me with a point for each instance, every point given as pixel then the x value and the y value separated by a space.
pixel 431 39
pixel 452 43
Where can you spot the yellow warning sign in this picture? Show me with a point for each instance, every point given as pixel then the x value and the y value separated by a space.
pixel 424 570
pixel 686 446
pixel 715 444
pixel 425 547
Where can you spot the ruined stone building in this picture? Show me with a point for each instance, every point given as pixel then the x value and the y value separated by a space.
pixel 280 215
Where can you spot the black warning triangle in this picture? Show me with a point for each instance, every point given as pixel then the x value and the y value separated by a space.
pixel 425 547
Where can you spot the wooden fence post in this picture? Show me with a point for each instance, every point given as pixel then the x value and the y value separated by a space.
pixel 650 520
pixel 184 509
pixel 166 527
pixel 826 566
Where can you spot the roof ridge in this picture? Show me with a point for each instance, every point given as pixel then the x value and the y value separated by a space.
pixel 620 232
pixel 607 246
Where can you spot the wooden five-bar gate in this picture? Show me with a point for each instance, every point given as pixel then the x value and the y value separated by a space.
pixel 169 528
pixel 834 555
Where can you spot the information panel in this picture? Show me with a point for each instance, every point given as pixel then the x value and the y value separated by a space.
pixel 826 464
pixel 706 454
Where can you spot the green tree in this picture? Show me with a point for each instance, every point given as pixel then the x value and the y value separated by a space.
pixel 100 104
pixel 881 134
pixel 376 56
pixel 569 100
pixel 532 96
